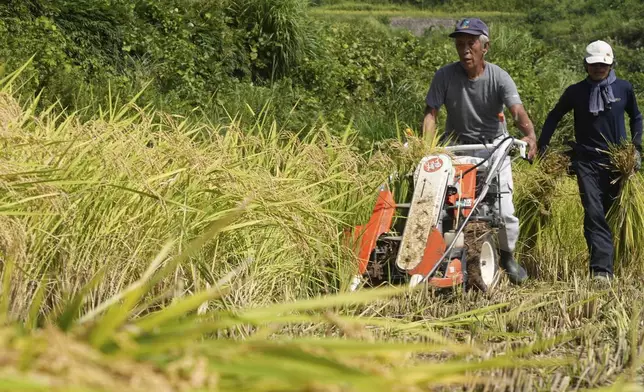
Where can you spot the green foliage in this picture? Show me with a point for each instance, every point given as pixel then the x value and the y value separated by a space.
pixel 276 34
pixel 449 5
pixel 366 72
pixel 222 55
pixel 186 49
pixel 571 24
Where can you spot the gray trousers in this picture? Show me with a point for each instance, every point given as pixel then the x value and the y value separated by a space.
pixel 509 234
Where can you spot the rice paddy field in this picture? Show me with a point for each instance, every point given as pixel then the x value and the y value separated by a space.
pixel 147 249
pixel 144 251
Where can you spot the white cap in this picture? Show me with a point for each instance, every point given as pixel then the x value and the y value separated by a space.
pixel 599 52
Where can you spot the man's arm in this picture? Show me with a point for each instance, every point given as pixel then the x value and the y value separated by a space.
pixel 522 121
pixel 562 107
pixel 428 131
pixel 433 101
pixel 511 99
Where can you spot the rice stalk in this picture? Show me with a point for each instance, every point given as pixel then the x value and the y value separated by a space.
pixel 626 216
pixel 120 185
pixel 540 191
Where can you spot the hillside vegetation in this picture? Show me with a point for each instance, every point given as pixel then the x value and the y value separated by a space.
pixel 177 178
pixel 225 58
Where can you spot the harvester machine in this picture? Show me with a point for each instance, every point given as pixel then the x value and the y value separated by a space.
pixel 445 232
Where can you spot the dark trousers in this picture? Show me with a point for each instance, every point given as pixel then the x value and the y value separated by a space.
pixel 597 196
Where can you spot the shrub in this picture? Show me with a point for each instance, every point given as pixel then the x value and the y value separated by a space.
pixel 276 34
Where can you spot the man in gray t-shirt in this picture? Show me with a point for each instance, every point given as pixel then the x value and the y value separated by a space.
pixel 472 105
pixel 474 93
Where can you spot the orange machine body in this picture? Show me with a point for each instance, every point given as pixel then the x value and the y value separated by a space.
pixel 366 236
pixel 467 186
pixel 465 178
pixel 379 223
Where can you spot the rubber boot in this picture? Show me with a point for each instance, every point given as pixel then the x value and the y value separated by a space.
pixel 602 280
pixel 515 272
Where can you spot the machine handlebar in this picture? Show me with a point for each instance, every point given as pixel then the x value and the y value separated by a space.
pixel 521 145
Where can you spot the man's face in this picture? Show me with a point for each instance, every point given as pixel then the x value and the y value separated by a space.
pixel 470 50
pixel 598 71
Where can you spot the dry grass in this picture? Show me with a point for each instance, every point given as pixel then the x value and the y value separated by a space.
pixel 566 337
pixel 592 325
pixel 58 361
pixel 547 204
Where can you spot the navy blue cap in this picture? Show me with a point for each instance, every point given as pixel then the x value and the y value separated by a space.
pixel 474 26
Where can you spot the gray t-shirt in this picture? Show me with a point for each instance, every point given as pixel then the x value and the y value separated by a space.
pixel 472 105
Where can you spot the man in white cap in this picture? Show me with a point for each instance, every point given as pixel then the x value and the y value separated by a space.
pixel 474 92
pixel 599 103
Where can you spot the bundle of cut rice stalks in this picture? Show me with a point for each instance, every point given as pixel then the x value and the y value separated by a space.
pixel 536 191
pixel 626 217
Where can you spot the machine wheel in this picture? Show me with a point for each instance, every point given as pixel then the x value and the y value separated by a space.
pixel 482 257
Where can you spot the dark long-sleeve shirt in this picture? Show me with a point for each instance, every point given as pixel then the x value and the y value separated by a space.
pixel 592 132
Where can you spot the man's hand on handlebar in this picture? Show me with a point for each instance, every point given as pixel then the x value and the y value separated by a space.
pixel 532 146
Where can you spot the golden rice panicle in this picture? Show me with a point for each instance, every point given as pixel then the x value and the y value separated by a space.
pixel 555 163
pixel 622 158
pixel 10 110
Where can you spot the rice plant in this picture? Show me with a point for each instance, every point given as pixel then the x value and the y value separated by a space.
pixel 549 209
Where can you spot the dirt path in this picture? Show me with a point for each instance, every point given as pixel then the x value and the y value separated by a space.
pixel 418 25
